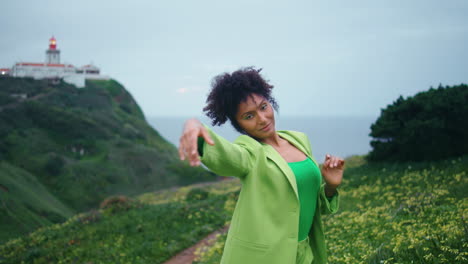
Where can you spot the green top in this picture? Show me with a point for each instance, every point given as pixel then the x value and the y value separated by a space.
pixel 308 186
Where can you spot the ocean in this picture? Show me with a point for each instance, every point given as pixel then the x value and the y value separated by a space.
pixel 337 135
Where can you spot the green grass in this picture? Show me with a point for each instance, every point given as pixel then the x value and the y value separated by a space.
pixel 26 204
pixel 145 232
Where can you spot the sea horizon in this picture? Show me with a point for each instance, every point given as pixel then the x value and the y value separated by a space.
pixel 341 136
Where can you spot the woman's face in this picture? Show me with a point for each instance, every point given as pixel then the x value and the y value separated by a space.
pixel 256 117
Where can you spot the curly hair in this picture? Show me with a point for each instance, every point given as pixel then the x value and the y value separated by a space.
pixel 229 90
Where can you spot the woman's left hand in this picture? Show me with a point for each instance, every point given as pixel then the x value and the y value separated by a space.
pixel 332 170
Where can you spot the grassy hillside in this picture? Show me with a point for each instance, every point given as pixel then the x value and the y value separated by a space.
pixel 63 150
pixel 390 213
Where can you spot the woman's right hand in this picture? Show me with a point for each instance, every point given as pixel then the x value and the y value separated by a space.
pixel 188 144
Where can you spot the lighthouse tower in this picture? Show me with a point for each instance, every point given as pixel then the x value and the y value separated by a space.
pixel 53 54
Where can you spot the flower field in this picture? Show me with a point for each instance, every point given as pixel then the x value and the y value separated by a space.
pixel 389 213
pixel 395 213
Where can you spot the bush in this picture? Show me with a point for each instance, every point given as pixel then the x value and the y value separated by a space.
pixel 432 125
pixel 120 203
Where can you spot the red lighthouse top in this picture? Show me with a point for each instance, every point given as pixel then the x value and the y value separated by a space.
pixel 52 43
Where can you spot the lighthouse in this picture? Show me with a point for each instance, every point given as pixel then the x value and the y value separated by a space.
pixel 53 69
pixel 52 54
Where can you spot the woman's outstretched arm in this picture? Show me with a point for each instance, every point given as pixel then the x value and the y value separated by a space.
pixel 188 143
pixel 199 144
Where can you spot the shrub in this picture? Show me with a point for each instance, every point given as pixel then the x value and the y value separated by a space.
pixel 115 204
pixel 431 125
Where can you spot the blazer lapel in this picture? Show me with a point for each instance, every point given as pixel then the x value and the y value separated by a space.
pixel 274 156
pixel 298 145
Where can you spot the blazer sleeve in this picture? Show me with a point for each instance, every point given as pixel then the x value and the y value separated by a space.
pixel 225 158
pixel 328 205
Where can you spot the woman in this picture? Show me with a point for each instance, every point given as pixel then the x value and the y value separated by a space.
pixel 277 219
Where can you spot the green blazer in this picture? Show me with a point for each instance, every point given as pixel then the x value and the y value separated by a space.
pixel 265 223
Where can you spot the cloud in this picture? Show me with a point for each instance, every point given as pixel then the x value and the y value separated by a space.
pixel 182 90
pixel 190 89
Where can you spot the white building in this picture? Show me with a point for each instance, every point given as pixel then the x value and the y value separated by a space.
pixel 52 68
pixel 42 70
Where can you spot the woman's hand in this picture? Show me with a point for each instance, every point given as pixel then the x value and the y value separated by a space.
pixel 188 144
pixel 332 172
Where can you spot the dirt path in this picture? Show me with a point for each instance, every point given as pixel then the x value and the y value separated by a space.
pixel 187 256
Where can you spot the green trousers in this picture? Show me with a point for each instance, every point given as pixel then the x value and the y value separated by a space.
pixel 304 252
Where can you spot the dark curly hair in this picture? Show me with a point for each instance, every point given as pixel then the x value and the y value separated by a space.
pixel 229 90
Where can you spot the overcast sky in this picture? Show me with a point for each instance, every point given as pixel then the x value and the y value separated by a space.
pixel 323 57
